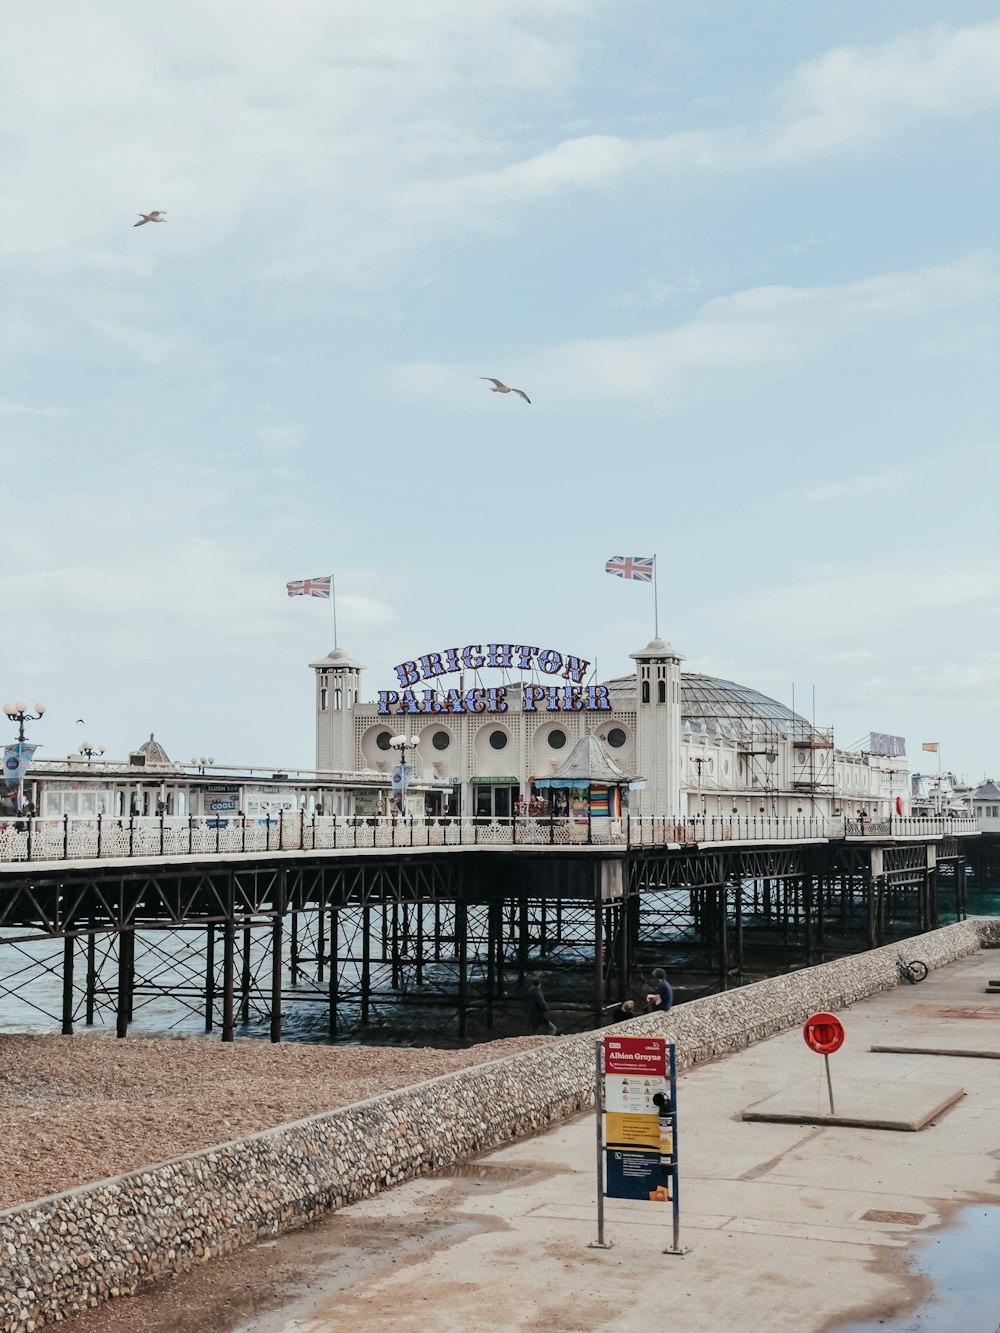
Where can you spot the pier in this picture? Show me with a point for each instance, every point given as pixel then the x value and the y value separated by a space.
pixel 353 913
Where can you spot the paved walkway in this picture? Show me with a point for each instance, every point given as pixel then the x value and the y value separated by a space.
pixel 788 1226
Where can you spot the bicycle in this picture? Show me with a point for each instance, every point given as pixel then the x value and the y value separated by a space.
pixel 912 971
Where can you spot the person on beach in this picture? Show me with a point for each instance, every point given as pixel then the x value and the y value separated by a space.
pixel 537 1012
pixel 662 998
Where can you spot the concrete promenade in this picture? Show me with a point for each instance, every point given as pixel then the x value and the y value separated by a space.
pixel 788 1226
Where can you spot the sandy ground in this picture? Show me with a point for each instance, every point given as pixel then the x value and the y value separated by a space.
pixel 79 1109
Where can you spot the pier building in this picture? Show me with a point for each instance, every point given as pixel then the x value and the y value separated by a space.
pixel 492 720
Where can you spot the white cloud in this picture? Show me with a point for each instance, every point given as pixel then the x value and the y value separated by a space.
pixel 732 341
pixel 846 100
pixel 221 113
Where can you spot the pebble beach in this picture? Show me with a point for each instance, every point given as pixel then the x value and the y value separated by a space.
pixel 78 1109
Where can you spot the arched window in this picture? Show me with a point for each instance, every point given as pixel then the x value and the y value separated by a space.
pixel 661 692
pixel 337 699
pixel 645 691
pixel 324 702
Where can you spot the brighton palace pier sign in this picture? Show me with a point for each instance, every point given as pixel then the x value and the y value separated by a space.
pixel 573 696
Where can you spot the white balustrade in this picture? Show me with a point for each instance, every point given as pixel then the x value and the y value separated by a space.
pixel 72 839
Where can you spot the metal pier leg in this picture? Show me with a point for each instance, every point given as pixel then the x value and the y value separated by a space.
pixel 598 950
pixel 462 953
pixel 623 949
pixel 246 977
pixel 277 924
pixel 69 942
pixel 522 940
pixel 396 967
pixel 209 976
pixel 91 975
pixel 807 917
pixel 121 1017
pixel 418 973
pixel 228 974
pixel 366 961
pixel 293 948
pixel 320 943
pixel 721 897
pixel 493 926
pixel 334 967
pixel 738 933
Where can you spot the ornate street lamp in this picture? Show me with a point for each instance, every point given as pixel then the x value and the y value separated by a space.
pixel 88 751
pixel 18 712
pixel 202 763
pixel 402 744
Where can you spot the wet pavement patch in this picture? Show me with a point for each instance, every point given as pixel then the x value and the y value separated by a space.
pixel 891 1215
pixel 960 1260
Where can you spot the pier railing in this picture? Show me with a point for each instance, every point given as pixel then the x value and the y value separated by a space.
pixel 73 839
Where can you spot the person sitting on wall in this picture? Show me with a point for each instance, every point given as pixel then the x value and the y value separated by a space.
pixel 662 999
pixel 624 1011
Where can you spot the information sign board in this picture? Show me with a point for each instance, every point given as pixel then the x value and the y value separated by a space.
pixel 622 1130
pixel 635 1055
pixel 632 1092
pixel 637 1175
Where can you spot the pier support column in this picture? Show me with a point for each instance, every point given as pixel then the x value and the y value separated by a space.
pixel 91 991
pixel 334 993
pixel 125 942
pixel 462 955
pixel 598 950
pixel 228 978
pixel 210 976
pixel 246 975
pixel 723 928
pixel 494 925
pixel 69 943
pixel 738 926
pixel 277 924
pixel 807 918
pixel 366 962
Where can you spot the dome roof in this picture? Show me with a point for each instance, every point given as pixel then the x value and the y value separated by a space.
pixel 724 706
pixel 337 659
pixel 154 752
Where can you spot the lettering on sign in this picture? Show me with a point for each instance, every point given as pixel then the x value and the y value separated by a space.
pixel 569 698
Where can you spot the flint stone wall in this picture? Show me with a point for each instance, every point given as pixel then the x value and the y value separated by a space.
pixel 62 1254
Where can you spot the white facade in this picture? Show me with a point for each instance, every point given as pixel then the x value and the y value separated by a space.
pixel 702 745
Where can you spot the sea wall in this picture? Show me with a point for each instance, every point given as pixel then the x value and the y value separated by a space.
pixel 62 1254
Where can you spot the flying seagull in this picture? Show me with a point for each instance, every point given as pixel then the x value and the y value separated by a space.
pixel 155 216
pixel 80 719
pixel 500 387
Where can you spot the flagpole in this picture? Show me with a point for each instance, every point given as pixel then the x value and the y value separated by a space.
pixel 656 603
pixel 333 608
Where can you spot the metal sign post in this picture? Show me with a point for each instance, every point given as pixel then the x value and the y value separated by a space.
pixel 824 1033
pixel 636 1114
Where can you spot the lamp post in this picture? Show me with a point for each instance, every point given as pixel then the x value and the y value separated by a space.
pixel 701 760
pixel 202 763
pixel 402 744
pixel 88 751
pixel 18 712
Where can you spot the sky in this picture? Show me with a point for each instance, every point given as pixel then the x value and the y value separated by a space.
pixel 744 259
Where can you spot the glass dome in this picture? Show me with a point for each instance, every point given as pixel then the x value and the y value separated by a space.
pixel 724 707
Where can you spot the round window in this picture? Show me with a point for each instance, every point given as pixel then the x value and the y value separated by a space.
pixel 441 740
pixel 498 739
pixel 382 739
pixel 557 739
pixel 616 738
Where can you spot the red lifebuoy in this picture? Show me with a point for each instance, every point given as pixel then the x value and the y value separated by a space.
pixel 899 805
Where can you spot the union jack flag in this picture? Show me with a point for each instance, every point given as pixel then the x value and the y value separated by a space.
pixel 310 587
pixel 632 567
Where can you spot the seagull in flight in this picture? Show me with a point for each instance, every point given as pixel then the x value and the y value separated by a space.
pixel 500 387
pixel 155 216
pixel 80 719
